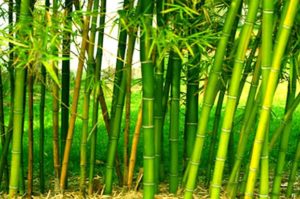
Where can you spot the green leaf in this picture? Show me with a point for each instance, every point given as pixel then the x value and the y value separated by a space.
pixel 51 71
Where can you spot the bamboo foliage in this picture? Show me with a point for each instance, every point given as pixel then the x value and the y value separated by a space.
pixel 242 59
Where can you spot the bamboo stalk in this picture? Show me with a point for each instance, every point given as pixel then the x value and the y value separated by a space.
pixel 65 75
pixel 232 99
pixel 42 131
pixel 135 141
pixel 209 97
pixel 18 106
pixel 283 36
pixel 75 99
pixel 30 134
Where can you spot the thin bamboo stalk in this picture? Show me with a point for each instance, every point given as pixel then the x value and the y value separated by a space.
pixel 42 130
pixel 30 134
pixel 135 141
pixel 284 141
pixel 65 75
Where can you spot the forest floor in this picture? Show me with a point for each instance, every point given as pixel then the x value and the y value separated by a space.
pixel 201 192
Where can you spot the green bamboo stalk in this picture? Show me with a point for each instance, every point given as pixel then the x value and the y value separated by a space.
pixel 174 123
pixel 30 134
pixel 120 60
pixel 247 125
pixel 96 92
pixel 65 75
pixel 267 28
pixel 19 104
pixel 284 141
pixel 232 99
pixel 191 111
pixel 86 106
pixel 42 130
pixel 293 171
pixel 284 121
pixel 209 97
pixel 165 100
pixel 2 120
pixel 148 99
pixel 158 112
pixel 283 37
pixel 213 138
pixel 115 126
pixel 75 99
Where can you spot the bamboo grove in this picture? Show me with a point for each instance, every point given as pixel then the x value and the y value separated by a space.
pixel 202 111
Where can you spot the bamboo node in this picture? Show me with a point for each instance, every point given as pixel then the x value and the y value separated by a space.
pixel 173 175
pixel 157 117
pixel 148 157
pixel 15 152
pixel 248 194
pixel 18 111
pixel 240 61
pixel 275 70
pixel 225 34
pixel 173 139
pixel 159 73
pixel 220 159
pixel 248 22
pixel 174 99
pixel 148 184
pixel 263 195
pixel 265 67
pixel 264 157
pixel 231 97
pixel 192 123
pixel 192 84
pixel 218 73
pixel 200 136
pixel 109 167
pixel 207 104
pixel 189 190
pixel 265 107
pixel 226 130
pixel 194 163
pixel 253 169
pixel 266 11
pixel 287 27
pixel 113 138
pixel 146 62
pixel 216 186
pixel 13 187
pixel 148 98
pixel 147 126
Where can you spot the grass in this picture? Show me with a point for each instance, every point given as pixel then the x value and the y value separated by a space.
pixel 278 110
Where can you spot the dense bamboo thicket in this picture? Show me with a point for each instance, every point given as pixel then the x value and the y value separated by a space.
pixel 201 94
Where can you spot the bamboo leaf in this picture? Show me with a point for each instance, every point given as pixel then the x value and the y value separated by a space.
pixel 50 70
pixel 13 42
